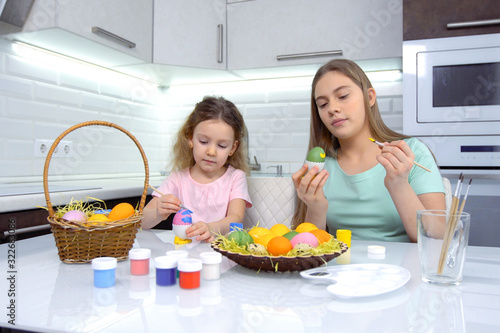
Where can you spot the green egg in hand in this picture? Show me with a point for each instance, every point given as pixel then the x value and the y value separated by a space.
pixel 316 156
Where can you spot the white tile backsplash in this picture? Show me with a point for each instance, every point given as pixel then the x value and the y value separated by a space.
pixel 38 101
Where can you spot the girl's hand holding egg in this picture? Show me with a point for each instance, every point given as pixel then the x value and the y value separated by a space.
pixel 201 230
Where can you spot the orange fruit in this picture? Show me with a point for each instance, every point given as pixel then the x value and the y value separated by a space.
pixel 279 229
pixel 321 235
pixel 121 211
pixel 306 227
pixel 279 245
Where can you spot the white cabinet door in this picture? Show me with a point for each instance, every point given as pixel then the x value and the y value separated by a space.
pixel 129 22
pixel 65 26
pixel 190 33
pixel 260 31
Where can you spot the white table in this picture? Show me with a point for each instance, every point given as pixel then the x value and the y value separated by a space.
pixel 51 296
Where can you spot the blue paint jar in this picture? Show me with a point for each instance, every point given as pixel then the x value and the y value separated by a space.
pixel 235 226
pixel 104 272
pixel 166 267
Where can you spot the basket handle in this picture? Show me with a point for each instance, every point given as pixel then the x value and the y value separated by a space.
pixel 84 124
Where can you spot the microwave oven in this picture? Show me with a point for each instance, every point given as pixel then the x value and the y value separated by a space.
pixel 451 98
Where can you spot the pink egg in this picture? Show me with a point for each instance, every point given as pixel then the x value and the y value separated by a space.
pixel 75 215
pixel 305 237
pixel 183 217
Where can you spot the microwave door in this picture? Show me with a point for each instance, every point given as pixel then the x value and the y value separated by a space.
pixel 458 86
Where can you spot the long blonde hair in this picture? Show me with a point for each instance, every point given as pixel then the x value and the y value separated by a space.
pixel 211 108
pixel 322 137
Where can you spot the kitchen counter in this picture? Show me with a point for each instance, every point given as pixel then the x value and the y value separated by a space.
pixel 51 296
pixel 30 195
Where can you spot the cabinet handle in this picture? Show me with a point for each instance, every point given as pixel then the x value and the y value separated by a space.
pixel 308 55
pixel 119 39
pixel 220 58
pixel 471 24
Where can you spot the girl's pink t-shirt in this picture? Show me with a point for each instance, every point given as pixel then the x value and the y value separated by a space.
pixel 209 202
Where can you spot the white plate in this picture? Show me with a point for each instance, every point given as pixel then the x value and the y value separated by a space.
pixel 360 280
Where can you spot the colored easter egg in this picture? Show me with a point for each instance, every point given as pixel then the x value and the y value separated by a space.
pixel 305 237
pixel 317 154
pixel 290 234
pixel 182 217
pixel 75 215
pixel 241 237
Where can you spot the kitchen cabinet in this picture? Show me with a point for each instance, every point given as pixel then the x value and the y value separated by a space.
pixel 265 33
pixel 424 19
pixel 70 27
pixel 190 33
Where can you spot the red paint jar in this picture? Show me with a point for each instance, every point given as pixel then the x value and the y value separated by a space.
pixel 139 261
pixel 189 273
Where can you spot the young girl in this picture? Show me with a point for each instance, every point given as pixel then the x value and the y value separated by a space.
pixel 209 172
pixel 375 192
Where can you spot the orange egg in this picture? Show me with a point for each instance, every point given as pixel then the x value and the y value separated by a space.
pixel 121 211
pixel 306 227
pixel 279 245
pixel 321 235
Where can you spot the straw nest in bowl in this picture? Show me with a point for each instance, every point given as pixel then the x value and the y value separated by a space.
pixel 285 263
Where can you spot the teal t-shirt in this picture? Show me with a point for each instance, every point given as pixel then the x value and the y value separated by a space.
pixel 362 203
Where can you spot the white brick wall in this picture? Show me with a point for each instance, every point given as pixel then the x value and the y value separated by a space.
pixel 40 101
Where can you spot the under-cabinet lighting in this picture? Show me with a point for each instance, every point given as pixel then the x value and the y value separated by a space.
pixel 40 51
pixel 384 76
pixel 272 84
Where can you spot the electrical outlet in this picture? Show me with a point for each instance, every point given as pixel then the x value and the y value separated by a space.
pixel 63 149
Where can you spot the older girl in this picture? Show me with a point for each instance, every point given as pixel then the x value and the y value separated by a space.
pixel 372 191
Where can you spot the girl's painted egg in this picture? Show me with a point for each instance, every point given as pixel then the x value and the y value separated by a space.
pixel 182 221
pixel 183 217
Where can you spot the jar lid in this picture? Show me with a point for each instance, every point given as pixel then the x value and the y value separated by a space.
pixel 139 254
pixel 211 257
pixel 180 254
pixel 103 263
pixel 189 265
pixel 235 226
pixel 164 262
pixel 376 249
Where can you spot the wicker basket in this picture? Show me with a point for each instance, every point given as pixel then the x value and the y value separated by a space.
pixel 278 263
pixel 77 243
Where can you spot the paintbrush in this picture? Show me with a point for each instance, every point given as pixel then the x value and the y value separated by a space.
pixel 382 145
pixel 456 210
pixel 180 205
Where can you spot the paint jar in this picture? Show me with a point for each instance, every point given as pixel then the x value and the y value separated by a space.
pixel 189 273
pixel 344 236
pixel 139 261
pixel 235 226
pixel 210 265
pixel 179 254
pixel 104 272
pixel 165 270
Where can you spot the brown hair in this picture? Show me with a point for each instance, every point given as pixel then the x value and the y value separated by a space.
pixel 211 108
pixel 322 137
